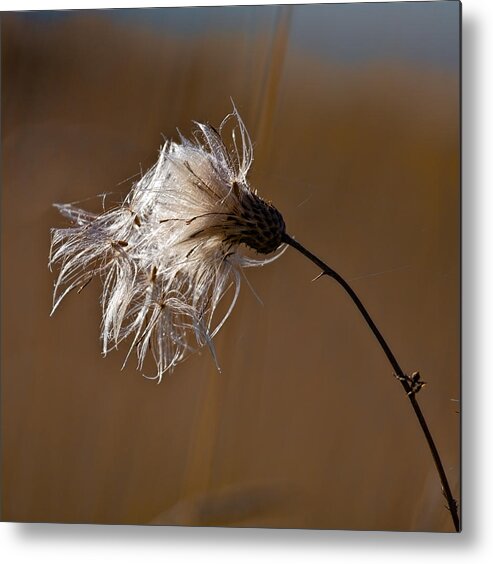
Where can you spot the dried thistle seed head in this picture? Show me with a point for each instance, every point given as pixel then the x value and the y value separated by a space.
pixel 174 248
pixel 259 224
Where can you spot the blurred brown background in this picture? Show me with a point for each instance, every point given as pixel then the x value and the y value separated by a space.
pixel 354 111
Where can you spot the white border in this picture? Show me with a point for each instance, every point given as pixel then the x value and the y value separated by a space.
pixel 86 544
pixel 81 4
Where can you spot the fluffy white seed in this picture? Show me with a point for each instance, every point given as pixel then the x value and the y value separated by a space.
pixel 169 253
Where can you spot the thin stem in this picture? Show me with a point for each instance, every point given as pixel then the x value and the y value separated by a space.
pixel 401 376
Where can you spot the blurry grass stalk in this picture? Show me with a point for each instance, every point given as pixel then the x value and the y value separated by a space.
pixel 411 384
pixel 272 82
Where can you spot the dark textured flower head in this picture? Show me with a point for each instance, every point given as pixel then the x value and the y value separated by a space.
pixel 259 225
pixel 174 248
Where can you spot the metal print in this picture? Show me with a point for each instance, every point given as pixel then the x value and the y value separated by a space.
pixel 150 157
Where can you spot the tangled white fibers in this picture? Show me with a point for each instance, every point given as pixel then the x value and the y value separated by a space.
pixel 174 247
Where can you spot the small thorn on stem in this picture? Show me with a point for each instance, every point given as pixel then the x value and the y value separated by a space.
pixel 414 381
pixel 319 276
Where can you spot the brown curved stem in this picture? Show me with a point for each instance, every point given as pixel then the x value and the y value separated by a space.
pixel 401 376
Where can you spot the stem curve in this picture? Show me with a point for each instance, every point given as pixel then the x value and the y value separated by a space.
pixel 401 376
